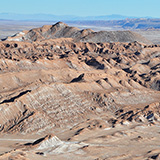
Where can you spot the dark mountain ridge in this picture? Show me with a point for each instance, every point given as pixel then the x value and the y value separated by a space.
pixel 62 30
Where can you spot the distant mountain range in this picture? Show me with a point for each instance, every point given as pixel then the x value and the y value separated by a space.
pixel 129 24
pixel 50 17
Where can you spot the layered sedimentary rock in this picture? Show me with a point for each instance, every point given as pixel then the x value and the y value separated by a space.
pixel 55 82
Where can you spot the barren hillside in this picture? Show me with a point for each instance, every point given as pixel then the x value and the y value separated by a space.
pixel 93 100
pixel 61 30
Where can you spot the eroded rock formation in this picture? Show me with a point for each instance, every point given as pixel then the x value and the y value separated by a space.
pixel 59 78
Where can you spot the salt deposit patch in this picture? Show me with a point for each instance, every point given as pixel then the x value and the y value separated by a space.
pixel 51 142
pixel 54 145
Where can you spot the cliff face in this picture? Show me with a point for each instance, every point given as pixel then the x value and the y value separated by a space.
pixel 63 85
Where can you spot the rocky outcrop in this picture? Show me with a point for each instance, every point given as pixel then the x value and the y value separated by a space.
pixel 61 29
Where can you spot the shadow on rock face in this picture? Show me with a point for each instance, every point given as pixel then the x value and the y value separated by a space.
pixel 78 79
pixel 93 62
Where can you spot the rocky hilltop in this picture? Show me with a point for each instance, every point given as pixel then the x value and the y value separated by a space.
pixel 93 90
pixel 61 30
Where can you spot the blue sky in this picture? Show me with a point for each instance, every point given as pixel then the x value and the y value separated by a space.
pixel 138 8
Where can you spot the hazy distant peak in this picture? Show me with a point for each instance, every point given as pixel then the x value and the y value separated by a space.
pixel 51 17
